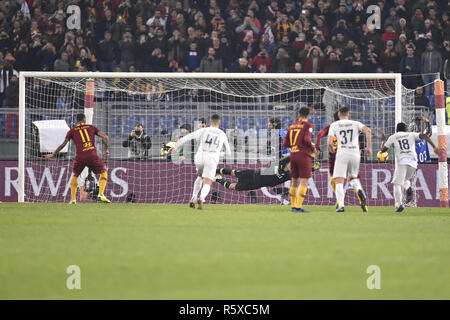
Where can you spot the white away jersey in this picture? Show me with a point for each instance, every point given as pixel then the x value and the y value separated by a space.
pixel 211 141
pixel 347 135
pixel 404 144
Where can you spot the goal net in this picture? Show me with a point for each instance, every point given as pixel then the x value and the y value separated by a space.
pixel 166 107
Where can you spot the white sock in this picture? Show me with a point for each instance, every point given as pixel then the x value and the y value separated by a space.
pixel 197 186
pixel 356 184
pixel 397 195
pixel 340 194
pixel 407 184
pixel 205 191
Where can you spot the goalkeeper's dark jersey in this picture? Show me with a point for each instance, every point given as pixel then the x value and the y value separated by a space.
pixel 255 179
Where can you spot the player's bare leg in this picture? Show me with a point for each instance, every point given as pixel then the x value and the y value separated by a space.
pixel 204 193
pixel 197 187
pixel 355 183
pixel 102 185
pixel 340 194
pixel 73 189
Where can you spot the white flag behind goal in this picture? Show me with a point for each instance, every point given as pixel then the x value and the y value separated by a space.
pixel 169 106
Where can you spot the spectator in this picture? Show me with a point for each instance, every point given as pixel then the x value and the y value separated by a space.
pixel 332 63
pixel 298 68
pixel 284 44
pixel 177 49
pixel 400 46
pixel 62 64
pixel 283 27
pixel 243 66
pixel 421 100
pixel 393 19
pixel 271 10
pixel 210 64
pixel 158 62
pixel 157 21
pixel 262 58
pixel 355 64
pixel 389 58
pixel 12 101
pixel 193 58
pixel 247 26
pixel 64 100
pixel 107 53
pixel 389 34
pixel 314 60
pixel 430 66
pixel 127 51
pixel 372 57
pixel 160 42
pixel 282 62
pixel 138 142
pixel 22 58
pixel 409 68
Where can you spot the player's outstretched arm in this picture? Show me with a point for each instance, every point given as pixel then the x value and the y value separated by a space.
pixel 368 134
pixel 427 138
pixel 191 136
pixel 60 147
pixel 104 137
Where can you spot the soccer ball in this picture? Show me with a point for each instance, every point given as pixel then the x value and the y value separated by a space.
pixel 383 156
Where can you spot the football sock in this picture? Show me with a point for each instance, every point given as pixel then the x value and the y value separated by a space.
pixel 205 191
pixel 293 196
pixel 301 196
pixel 407 184
pixel 397 195
pixel 340 194
pixel 224 171
pixel 73 188
pixel 333 184
pixel 102 182
pixel 197 186
pixel 356 185
pixel 225 183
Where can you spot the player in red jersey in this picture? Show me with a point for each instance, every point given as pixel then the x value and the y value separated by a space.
pixel 83 136
pixel 356 185
pixel 298 138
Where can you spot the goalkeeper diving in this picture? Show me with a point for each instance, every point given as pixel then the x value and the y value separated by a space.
pixel 256 179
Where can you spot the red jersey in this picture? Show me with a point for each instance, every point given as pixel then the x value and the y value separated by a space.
pixel 83 136
pixel 298 138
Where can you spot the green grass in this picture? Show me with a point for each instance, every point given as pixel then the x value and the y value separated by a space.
pixel 223 252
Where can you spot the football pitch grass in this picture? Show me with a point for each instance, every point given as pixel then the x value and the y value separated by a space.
pixel 139 251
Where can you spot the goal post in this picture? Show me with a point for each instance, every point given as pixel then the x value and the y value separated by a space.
pixel 171 104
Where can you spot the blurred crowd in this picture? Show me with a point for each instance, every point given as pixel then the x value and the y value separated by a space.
pixel 311 36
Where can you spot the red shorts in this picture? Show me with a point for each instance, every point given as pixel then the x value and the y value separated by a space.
pixel 93 162
pixel 331 161
pixel 301 166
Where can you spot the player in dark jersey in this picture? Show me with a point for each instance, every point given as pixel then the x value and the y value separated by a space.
pixel 83 135
pixel 255 179
pixel 298 138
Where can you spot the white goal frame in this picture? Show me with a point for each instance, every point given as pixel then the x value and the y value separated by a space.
pixel 397 77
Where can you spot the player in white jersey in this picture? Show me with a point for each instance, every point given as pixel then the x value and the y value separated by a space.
pixel 404 144
pixel 211 140
pixel 348 155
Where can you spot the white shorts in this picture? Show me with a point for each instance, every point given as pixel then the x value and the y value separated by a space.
pixel 402 173
pixel 346 164
pixel 206 165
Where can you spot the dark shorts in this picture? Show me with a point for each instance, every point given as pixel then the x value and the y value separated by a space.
pixel 301 166
pixel 93 162
pixel 245 180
